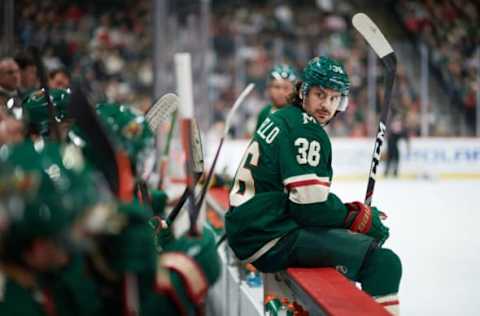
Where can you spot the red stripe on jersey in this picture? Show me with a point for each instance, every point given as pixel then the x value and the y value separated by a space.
pixel 396 302
pixel 303 183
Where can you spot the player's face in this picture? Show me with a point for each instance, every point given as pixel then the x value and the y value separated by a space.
pixel 60 81
pixel 29 77
pixel 279 91
pixel 322 103
pixel 45 255
pixel 9 75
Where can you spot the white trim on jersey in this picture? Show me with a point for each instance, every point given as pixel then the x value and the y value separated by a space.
pixel 307 188
pixel 390 303
pixel 263 250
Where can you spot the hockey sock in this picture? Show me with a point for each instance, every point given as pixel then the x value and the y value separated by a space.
pixel 390 303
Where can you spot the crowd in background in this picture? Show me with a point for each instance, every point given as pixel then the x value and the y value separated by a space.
pixel 451 31
pixel 111 50
pixel 256 37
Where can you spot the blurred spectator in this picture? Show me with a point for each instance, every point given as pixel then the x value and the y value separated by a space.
pixel 9 80
pixel 450 30
pixel 11 130
pixel 58 78
pixel 396 133
pixel 29 80
pixel 110 49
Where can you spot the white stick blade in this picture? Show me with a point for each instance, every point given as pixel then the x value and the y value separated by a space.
pixel 161 110
pixel 372 34
pixel 197 148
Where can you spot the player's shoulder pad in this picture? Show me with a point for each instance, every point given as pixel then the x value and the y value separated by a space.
pixel 266 109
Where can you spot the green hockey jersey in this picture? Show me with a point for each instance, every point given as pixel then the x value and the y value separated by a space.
pixel 283 183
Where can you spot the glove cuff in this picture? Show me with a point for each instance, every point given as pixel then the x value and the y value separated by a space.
pixel 193 276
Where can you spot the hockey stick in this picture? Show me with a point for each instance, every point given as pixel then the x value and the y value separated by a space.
pixel 54 129
pixel 173 102
pixel 118 175
pixel 228 123
pixel 372 34
pixel 88 122
pixel 158 112
pixel 166 151
pixel 161 109
pixel 206 185
pixel 198 167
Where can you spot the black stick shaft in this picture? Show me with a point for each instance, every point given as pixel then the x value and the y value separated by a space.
pixel 390 64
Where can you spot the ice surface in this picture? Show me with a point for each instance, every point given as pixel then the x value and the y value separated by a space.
pixel 434 229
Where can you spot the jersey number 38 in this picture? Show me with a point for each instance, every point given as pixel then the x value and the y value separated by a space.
pixel 308 152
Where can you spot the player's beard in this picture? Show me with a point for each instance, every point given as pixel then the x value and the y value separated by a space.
pixel 322 116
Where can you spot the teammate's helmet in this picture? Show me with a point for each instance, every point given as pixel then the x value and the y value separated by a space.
pixel 36 108
pixel 283 72
pixel 327 73
pixel 130 130
pixel 44 188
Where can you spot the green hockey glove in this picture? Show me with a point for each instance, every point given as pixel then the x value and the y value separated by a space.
pixel 133 249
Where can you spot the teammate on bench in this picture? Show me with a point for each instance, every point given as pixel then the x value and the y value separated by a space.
pixel 281 83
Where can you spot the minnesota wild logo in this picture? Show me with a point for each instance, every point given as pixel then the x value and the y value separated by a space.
pixel 132 130
pixel 37 95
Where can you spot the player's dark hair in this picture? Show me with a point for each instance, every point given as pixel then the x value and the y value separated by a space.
pixel 56 71
pixel 24 60
pixel 294 98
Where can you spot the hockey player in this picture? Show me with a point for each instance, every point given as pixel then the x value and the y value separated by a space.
pixel 36 114
pixel 281 84
pixel 174 281
pixel 64 252
pixel 44 191
pixel 129 129
pixel 396 133
pixel 282 211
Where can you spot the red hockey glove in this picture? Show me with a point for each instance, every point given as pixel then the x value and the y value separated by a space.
pixel 366 220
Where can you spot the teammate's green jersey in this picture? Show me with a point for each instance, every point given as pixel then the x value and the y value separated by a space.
pixel 283 183
pixel 262 115
pixel 69 291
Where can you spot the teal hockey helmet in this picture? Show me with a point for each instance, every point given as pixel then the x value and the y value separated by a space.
pixel 327 73
pixel 44 189
pixel 35 106
pixel 283 72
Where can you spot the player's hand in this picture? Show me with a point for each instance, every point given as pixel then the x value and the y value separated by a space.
pixel 162 232
pixel 366 220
